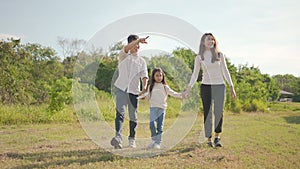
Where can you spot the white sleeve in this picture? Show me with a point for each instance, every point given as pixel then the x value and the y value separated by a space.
pixel 172 92
pixel 225 71
pixel 196 70
pixel 122 55
pixel 144 72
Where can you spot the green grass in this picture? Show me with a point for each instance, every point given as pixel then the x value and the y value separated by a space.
pixel 251 140
pixel 284 106
pixel 105 103
pixel 23 114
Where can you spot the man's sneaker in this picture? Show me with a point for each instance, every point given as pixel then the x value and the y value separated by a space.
pixel 132 143
pixel 115 143
pixel 151 145
pixel 217 142
pixel 210 144
pixel 156 146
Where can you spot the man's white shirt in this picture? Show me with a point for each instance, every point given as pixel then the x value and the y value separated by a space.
pixel 131 70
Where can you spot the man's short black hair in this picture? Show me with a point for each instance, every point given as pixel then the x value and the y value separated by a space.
pixel 132 38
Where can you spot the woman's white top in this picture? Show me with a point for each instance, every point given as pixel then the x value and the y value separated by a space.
pixel 213 73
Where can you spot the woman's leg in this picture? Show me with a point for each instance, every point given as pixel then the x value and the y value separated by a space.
pixel 206 101
pixel 218 97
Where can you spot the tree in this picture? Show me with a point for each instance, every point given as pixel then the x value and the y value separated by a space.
pixel 289 83
pixel 107 69
pixel 254 89
pixel 70 47
pixel 26 71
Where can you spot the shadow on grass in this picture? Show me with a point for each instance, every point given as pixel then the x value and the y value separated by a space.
pixel 182 149
pixel 63 158
pixel 82 157
pixel 292 119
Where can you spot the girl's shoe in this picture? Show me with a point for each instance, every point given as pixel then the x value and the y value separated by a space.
pixel 151 145
pixel 156 146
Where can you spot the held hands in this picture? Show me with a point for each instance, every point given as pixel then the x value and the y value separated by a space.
pixel 142 94
pixel 186 94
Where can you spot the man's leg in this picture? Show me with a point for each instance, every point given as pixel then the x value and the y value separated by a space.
pixel 121 102
pixel 132 109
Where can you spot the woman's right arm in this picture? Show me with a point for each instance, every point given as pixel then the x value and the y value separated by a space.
pixel 196 70
pixel 194 76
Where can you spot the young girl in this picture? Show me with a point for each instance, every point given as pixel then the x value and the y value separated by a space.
pixel 158 94
pixel 213 64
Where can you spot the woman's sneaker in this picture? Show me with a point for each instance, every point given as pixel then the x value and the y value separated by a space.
pixel 217 142
pixel 116 143
pixel 210 144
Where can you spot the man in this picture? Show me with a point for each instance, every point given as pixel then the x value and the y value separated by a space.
pixel 132 70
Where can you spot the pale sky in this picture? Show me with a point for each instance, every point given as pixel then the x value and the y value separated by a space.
pixel 265 34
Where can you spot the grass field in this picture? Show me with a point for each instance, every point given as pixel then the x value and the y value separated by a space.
pixel 251 140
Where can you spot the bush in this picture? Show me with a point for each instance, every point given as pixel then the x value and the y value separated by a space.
pixel 254 105
pixel 23 114
pixel 236 106
pixel 60 94
pixel 174 107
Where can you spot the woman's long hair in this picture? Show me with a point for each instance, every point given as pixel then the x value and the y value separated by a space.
pixel 152 81
pixel 214 51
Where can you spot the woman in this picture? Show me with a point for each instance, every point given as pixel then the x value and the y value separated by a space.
pixel 213 64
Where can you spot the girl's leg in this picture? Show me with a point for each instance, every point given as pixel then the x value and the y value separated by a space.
pixel 153 117
pixel 160 125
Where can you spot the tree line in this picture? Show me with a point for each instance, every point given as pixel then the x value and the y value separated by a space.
pixel 32 74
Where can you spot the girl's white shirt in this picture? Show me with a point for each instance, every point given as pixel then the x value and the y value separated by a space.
pixel 159 95
pixel 213 73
